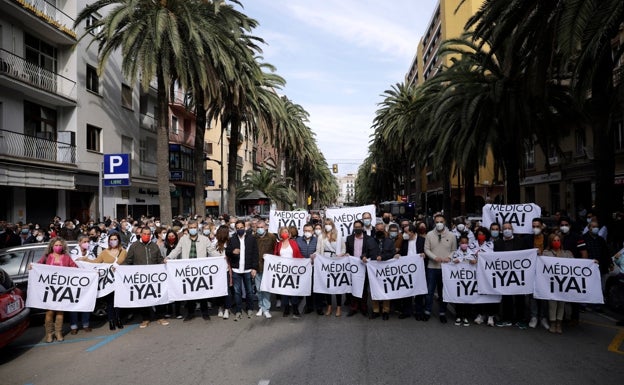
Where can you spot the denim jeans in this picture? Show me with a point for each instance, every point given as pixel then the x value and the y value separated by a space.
pixel 434 278
pixel 264 297
pixel 241 279
pixel 84 318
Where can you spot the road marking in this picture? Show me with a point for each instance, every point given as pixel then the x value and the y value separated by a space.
pixel 614 346
pixel 112 337
pixel 264 382
pixel 66 341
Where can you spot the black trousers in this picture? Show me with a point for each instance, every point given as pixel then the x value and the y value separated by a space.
pixel 192 304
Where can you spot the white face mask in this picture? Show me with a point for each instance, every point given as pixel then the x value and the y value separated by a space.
pixel 439 226
pixel 461 227
pixel 233 226
pixel 163 236
pixel 565 229
pixel 406 236
pixel 537 231
pixel 318 232
pixel 206 232
pixel 307 234
pixel 507 233
pixel 328 228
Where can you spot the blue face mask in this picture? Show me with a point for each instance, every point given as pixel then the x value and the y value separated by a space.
pixel 240 232
pixel 193 232
pixel 495 233
pixel 260 231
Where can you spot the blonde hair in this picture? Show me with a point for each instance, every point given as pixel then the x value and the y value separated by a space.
pixel 50 247
pixel 333 235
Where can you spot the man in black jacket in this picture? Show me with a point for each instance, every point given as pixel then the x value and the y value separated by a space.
pixel 359 245
pixel 242 254
pixel 413 245
pixel 383 251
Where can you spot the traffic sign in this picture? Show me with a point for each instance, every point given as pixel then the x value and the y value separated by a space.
pixel 116 170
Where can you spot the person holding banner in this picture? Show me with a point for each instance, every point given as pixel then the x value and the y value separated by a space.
pixel 266 245
pixel 287 248
pixel 362 246
pixel 81 253
pixel 242 254
pixel 440 244
pixel 191 246
pixel 330 245
pixel 114 254
pixel 307 246
pixel 56 255
pixel 383 251
pixel 217 249
pixel 145 252
pixel 413 245
pixel 556 308
pixel 484 244
pixel 463 254
pixel 367 220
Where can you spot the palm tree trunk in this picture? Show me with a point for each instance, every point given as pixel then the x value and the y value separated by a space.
pixel 200 132
pixel 469 191
pixel 162 150
pixel 446 194
pixel 512 178
pixel 235 124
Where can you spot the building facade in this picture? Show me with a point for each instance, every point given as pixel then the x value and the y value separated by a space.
pixel 346 189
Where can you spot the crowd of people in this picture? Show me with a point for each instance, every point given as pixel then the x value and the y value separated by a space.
pixel 244 242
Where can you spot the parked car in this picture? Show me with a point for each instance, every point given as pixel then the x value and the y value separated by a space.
pixel 15 260
pixel 14 315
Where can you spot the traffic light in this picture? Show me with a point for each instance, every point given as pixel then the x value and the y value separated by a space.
pixel 335 168
pixel 373 168
pixel 309 200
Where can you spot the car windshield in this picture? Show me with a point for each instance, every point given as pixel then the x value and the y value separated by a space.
pixel 11 262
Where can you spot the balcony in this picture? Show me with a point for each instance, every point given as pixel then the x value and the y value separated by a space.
pixel 148 122
pixel 31 79
pixel 44 18
pixel 16 145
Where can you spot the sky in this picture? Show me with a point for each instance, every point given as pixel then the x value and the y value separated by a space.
pixel 338 57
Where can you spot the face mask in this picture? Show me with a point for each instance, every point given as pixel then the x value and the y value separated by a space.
pixel 463 246
pixel 328 228
pixel 25 231
pixel 481 237
pixel 233 226
pixel 163 236
pixel 171 239
pixel 57 249
pixel 39 238
pixel 318 232
pixel 206 232
pixel 589 220
pixel 113 243
pixel 307 234
pixel 556 244
pixel 157 224
pixel 405 236
pixel 380 234
pixel 386 220
pixel 367 222
pixel 537 231
pixel 507 233
pixel 145 238
pixel 422 230
pixel 439 226
pixel 314 221
pixel 84 245
pixel 192 232
pixel 461 227
pixel 393 234
pixel 152 228
pixel 93 238
pixel 495 233
pixel 284 236
pixel 260 231
pixel 595 230
pixel 565 229
pixel 240 232
pixel 358 231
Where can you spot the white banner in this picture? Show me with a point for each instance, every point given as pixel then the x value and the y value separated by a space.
pixel 334 275
pixel 287 276
pixel 106 276
pixel 568 279
pixel 140 285
pixel 344 217
pixel 197 278
pixel 397 278
pixel 61 288
pixel 460 284
pixel 357 278
pixel 506 272
pixel 278 219
pixel 520 216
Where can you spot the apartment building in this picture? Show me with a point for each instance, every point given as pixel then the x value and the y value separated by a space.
pixel 346 189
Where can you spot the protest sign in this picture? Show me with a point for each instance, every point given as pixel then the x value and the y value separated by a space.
pixel 520 216
pixel 345 216
pixel 197 278
pixel 278 219
pixel 357 277
pixel 140 285
pixel 333 275
pixel 568 279
pixel 397 278
pixel 106 276
pixel 287 276
pixel 506 272
pixel 61 288
pixel 460 284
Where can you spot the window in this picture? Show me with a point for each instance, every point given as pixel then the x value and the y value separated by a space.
pixel 40 53
pixel 93 138
pixel 529 194
pixel 529 155
pixel 618 133
pixel 39 121
pixel 208 148
pixel 579 145
pixel 126 96
pixel 174 125
pixel 93 81
pixel 555 197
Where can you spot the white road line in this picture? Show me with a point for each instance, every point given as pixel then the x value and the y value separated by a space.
pixel 264 382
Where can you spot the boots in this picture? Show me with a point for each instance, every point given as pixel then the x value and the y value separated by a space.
pixel 558 327
pixel 329 310
pixel 49 329
pixel 553 326
pixel 111 325
pixel 119 324
pixel 58 327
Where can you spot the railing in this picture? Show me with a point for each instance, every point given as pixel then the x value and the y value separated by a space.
pixel 50 14
pixel 30 147
pixel 24 71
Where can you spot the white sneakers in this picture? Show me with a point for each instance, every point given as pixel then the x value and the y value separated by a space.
pixel 545 323
pixel 267 314
pixel 226 314
pixel 490 321
pixel 479 319
pixel 259 313
pixel 533 322
pixel 220 314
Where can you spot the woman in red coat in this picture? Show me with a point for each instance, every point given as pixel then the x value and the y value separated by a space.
pixel 287 248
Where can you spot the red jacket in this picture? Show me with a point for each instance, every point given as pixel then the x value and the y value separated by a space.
pixel 66 260
pixel 293 245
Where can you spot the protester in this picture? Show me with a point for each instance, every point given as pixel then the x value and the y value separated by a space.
pixel 440 244
pixel 307 246
pixel 359 245
pixel 330 245
pixel 413 244
pixel 556 308
pixel 463 254
pixel 384 250
pixel 217 249
pixel 483 244
pixel 287 248
pixel 80 253
pixel 266 245
pixel 242 253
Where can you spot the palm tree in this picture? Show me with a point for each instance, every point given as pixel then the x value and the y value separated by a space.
pixel 158 39
pixel 271 183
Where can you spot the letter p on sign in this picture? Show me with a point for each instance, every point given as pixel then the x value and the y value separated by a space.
pixel 116 169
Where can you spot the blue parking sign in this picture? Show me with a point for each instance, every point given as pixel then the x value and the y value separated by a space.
pixel 116 170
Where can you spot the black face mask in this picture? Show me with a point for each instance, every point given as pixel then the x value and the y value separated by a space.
pixel 315 221
pixel 358 231
pixel 386 220
pixel 240 232
pixel 380 234
pixel 94 238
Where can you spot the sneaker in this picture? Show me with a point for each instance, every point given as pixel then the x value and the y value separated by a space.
pixel 503 324
pixel 545 324
pixel 533 322
pixel 458 321
pixel 466 323
pixel 249 313
pixel 259 313
pixel 267 314
pixel 179 316
pixel 226 314
pixel 144 324
pixel 490 321
pixel 296 313
pixel 521 325
pixel 220 313
pixel 238 316
pixel 278 303
pixel 479 319
pixel 163 322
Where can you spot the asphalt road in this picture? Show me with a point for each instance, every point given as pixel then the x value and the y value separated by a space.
pixel 319 350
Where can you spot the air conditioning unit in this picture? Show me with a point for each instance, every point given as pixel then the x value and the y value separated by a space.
pixel 553 160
